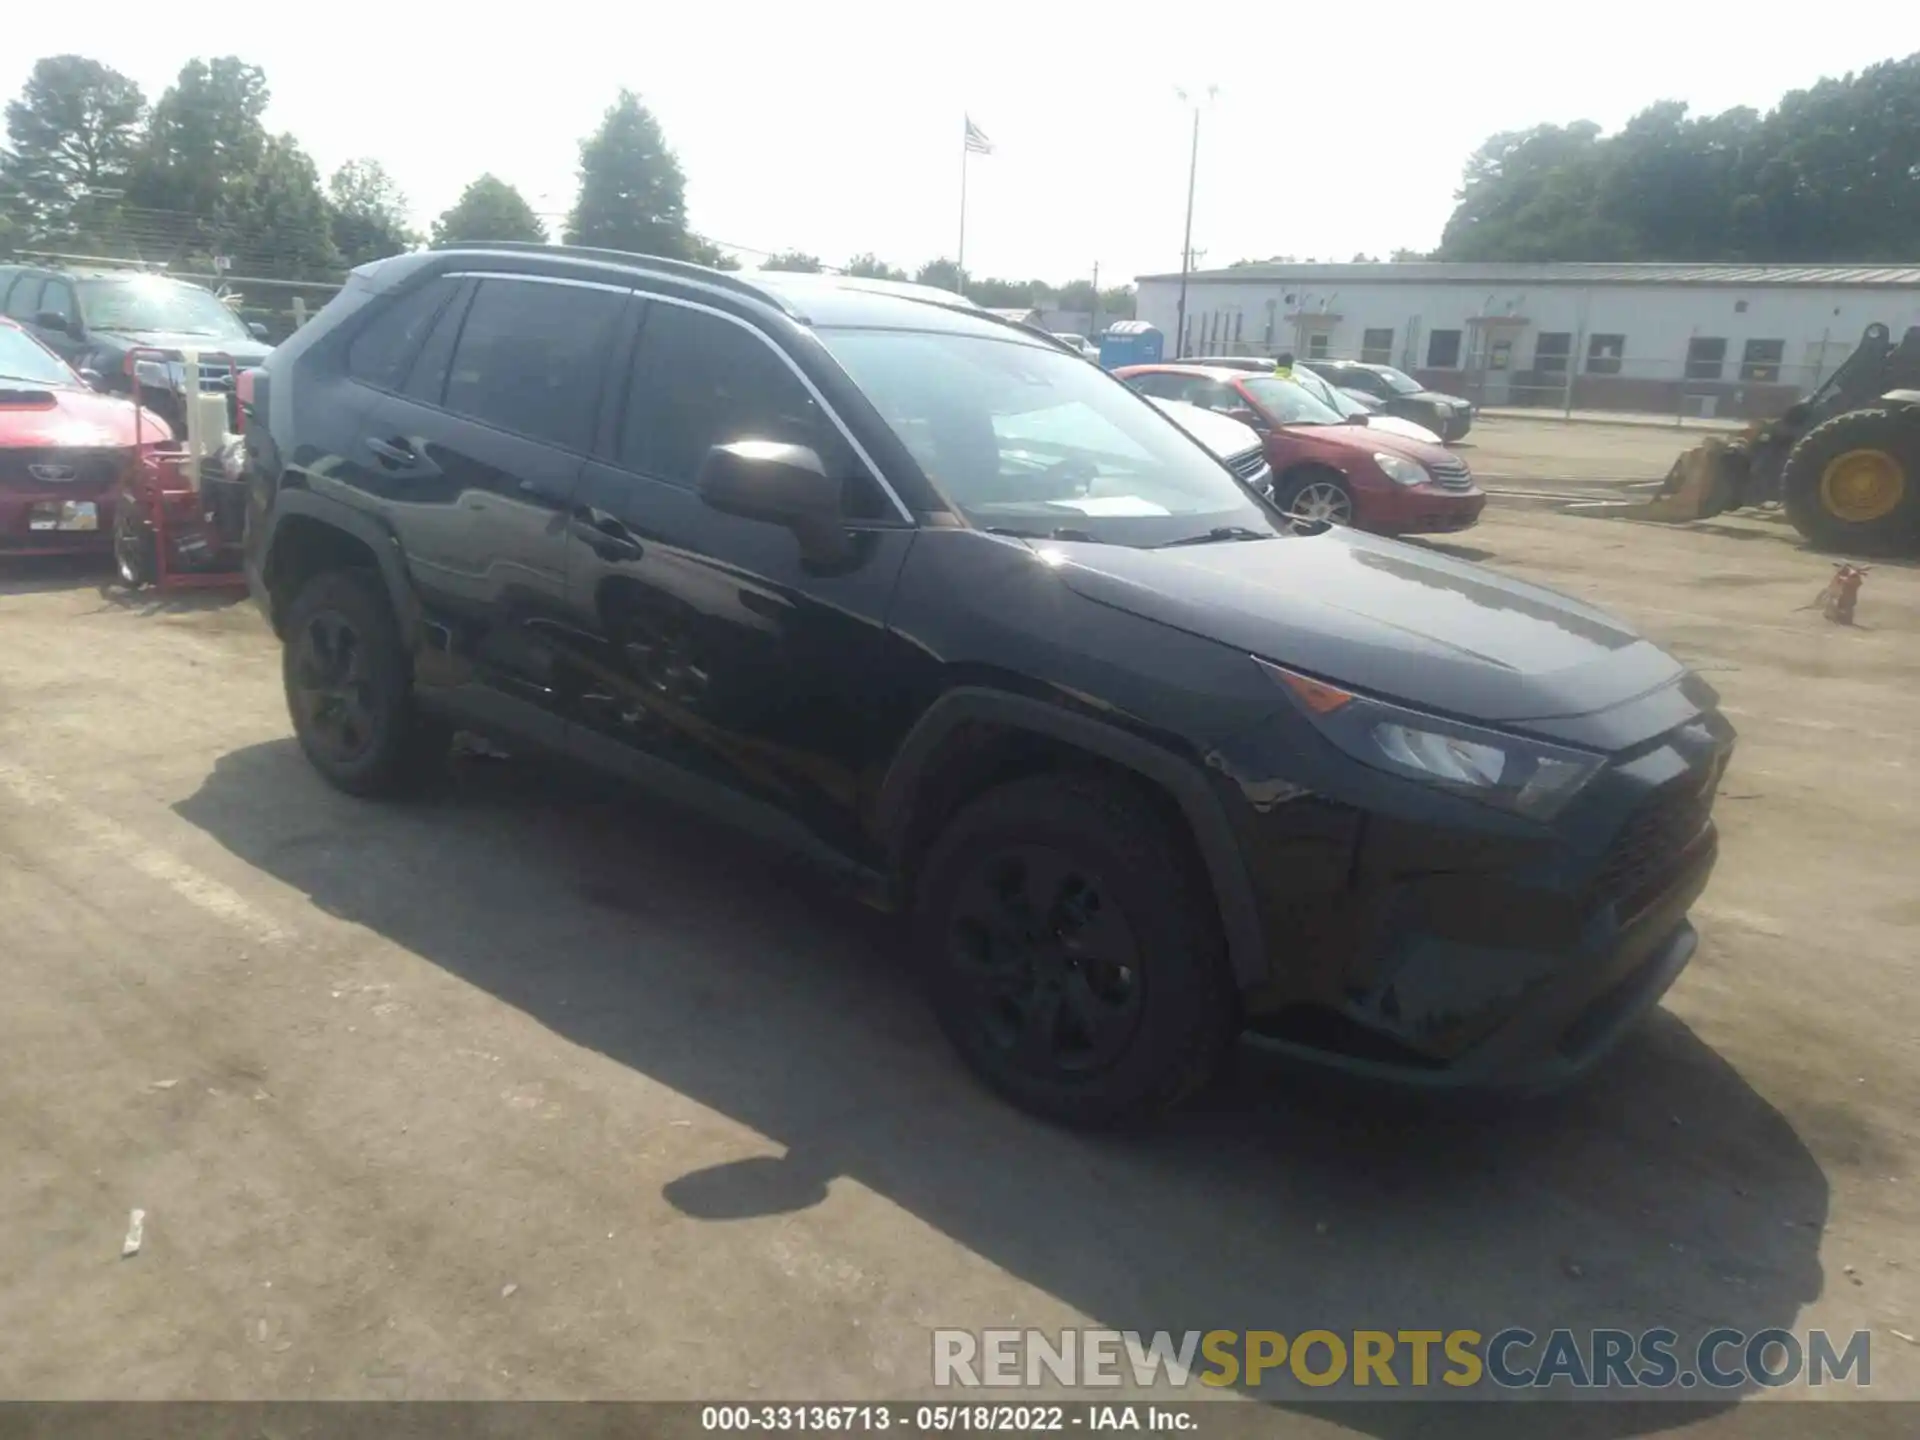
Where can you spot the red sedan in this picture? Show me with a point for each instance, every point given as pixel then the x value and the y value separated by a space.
pixel 1326 468
pixel 63 452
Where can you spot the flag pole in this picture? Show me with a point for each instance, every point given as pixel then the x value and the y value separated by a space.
pixel 960 260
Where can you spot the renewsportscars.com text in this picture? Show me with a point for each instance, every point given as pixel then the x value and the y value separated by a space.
pixel 1512 1358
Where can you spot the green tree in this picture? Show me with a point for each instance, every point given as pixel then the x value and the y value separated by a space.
pixel 703 251
pixel 632 191
pixel 74 132
pixel 204 137
pixel 489 209
pixel 795 260
pixel 872 267
pixel 942 273
pixel 275 221
pixel 1832 173
pixel 367 213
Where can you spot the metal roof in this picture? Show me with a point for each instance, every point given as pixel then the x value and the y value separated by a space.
pixel 1431 272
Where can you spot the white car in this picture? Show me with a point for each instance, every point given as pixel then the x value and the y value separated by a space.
pixel 1238 446
pixel 1354 406
pixel 1086 347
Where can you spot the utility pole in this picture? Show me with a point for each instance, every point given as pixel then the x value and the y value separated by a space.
pixel 1186 244
pixel 1093 307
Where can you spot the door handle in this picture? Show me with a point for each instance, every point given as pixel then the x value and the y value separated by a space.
pixel 397 454
pixel 606 535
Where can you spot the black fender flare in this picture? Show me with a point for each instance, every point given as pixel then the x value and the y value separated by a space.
pixel 379 540
pixel 1179 778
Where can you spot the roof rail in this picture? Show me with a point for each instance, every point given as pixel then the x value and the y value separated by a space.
pixel 707 275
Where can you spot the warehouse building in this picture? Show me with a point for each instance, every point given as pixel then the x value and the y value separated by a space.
pixel 1740 340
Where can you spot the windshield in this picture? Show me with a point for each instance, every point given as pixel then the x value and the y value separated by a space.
pixel 1398 379
pixel 24 358
pixel 1035 442
pixel 1335 399
pixel 141 304
pixel 1286 402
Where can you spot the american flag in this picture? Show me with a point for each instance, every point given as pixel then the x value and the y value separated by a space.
pixel 977 141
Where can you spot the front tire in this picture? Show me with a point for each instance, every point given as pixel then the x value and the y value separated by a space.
pixel 1853 482
pixel 1073 951
pixel 135 554
pixel 350 689
pixel 1312 498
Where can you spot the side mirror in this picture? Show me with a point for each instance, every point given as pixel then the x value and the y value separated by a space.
pixel 780 484
pixel 53 320
pixel 93 379
pixel 1248 417
pixel 257 329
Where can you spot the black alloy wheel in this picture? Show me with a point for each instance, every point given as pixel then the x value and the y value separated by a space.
pixel 332 686
pixel 1050 964
pixel 1072 945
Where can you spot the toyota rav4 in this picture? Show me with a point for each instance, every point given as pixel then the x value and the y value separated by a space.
pixel 925 595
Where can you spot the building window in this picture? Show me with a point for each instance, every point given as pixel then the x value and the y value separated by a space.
pixel 1443 350
pixel 1376 347
pixel 1761 360
pixel 1705 357
pixel 1603 354
pixel 1317 345
pixel 1550 352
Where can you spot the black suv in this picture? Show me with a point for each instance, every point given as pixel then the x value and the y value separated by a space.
pixel 95 319
pixel 931 598
pixel 1398 393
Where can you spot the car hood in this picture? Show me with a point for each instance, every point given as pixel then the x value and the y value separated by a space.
pixel 1386 618
pixel 1222 434
pixel 1401 429
pixel 77 418
pixel 244 352
pixel 1370 437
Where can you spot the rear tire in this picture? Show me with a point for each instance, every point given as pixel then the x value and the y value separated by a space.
pixel 1853 482
pixel 349 689
pixel 1073 953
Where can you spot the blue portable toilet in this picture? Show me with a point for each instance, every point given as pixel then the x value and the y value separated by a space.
pixel 1130 342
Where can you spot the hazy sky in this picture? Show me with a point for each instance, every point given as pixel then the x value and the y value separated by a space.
pixel 835 127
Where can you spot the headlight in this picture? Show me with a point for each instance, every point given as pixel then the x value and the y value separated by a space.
pixel 1528 777
pixel 1401 470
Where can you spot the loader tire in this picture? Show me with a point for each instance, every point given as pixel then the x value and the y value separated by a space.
pixel 1852 484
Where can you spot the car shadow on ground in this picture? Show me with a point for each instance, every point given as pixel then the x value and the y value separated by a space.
pixel 1664 1192
pixel 150 601
pixel 44 574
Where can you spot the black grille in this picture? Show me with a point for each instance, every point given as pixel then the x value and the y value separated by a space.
pixel 1451 474
pixel 90 468
pixel 1656 838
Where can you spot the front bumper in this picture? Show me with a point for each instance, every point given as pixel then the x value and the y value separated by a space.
pixel 1425 510
pixel 1434 942
pixel 39 522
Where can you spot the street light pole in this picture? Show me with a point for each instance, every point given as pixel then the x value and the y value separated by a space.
pixel 1186 244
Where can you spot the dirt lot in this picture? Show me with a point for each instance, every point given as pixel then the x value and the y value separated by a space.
pixel 535 1090
pixel 1509 453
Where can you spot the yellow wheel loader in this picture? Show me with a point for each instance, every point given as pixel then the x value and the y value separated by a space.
pixel 1844 463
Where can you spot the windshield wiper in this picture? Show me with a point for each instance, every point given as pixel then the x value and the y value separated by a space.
pixel 1219 532
pixel 1062 533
